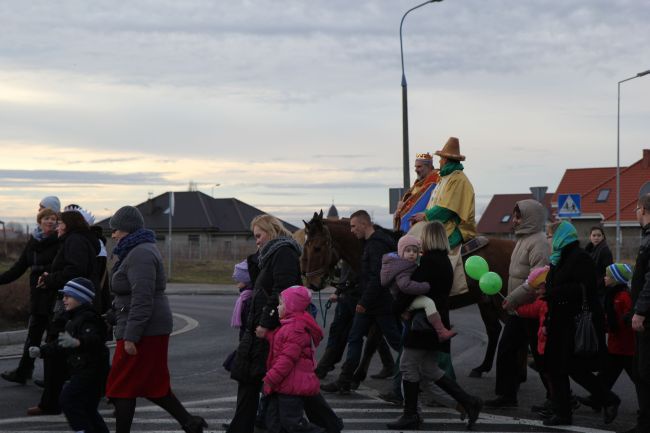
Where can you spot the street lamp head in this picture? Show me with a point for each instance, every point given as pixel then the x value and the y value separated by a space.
pixel 641 74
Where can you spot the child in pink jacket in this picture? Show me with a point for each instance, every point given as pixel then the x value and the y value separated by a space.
pixel 538 309
pixel 290 381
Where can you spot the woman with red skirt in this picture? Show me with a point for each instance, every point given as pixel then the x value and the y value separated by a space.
pixel 143 323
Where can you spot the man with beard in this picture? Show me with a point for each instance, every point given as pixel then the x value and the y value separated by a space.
pixel 416 198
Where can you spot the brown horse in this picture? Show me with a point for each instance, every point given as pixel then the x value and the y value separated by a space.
pixel 328 241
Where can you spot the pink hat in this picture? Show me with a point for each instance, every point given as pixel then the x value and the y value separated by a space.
pixel 296 299
pixel 537 277
pixel 407 241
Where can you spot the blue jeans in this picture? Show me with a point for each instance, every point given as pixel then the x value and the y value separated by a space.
pixel 390 328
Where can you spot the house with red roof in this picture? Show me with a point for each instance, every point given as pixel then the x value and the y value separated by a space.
pixel 597 189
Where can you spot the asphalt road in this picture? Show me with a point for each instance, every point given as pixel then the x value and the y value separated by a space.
pixel 205 338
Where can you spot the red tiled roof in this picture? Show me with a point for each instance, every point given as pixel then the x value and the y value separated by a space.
pixel 501 205
pixel 589 182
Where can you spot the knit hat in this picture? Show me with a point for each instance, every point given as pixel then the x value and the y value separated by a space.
pixel 79 288
pixel 296 299
pixel 537 277
pixel 51 202
pixel 619 272
pixel 407 241
pixel 128 219
pixel 240 274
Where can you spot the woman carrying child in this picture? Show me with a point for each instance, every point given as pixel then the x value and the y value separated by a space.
pixel 419 357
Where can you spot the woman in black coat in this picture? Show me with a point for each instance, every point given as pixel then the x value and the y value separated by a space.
pixel 37 256
pixel 419 360
pixel 572 276
pixel 77 257
pixel 601 255
pixel 278 261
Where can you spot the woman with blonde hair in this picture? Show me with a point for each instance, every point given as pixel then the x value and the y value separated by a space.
pixel 278 267
pixel 421 345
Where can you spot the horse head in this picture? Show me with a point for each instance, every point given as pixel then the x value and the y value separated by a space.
pixel 318 256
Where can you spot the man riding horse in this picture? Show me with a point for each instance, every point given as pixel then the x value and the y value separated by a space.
pixel 451 203
pixel 416 198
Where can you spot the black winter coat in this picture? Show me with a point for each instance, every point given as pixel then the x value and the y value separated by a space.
pixel 279 271
pixel 91 358
pixel 37 255
pixel 564 284
pixel 77 257
pixel 435 269
pixel 641 278
pixel 375 299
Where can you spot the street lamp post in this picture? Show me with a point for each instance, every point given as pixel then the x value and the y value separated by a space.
pixel 4 236
pixel 618 165
pixel 405 115
pixel 213 187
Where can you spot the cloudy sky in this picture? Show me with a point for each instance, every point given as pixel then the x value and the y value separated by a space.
pixel 293 105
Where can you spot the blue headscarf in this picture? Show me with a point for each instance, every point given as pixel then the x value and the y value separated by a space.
pixel 565 234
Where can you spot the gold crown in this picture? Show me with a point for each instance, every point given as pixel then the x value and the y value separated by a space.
pixel 423 156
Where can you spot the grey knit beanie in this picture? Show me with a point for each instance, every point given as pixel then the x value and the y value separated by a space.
pixel 127 218
pixel 51 202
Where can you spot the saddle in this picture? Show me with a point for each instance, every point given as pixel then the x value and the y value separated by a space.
pixel 474 245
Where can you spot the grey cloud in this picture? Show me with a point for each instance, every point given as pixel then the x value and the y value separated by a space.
pixel 27 177
pixel 315 185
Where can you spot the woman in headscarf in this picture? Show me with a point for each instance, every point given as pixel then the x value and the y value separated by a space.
pixel 572 277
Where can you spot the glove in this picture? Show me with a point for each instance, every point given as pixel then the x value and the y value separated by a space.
pixel 68 341
pixel 34 352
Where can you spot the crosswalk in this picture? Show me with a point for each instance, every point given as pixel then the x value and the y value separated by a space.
pixel 362 412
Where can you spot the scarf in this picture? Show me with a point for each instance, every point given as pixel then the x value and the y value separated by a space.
pixel 273 245
pixel 450 167
pixel 130 241
pixel 245 295
pixel 564 235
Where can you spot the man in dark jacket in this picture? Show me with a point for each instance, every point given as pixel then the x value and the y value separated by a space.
pixel 375 304
pixel 641 301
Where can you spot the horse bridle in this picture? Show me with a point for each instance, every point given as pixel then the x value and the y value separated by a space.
pixel 334 256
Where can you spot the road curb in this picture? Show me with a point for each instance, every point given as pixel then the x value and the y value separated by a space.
pixel 12 337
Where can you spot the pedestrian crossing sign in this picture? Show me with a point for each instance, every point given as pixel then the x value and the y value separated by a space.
pixel 568 205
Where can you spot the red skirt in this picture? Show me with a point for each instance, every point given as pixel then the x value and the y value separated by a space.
pixel 143 375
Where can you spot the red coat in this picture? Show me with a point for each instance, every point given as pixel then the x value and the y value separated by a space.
pixel 536 310
pixel 621 341
pixel 290 365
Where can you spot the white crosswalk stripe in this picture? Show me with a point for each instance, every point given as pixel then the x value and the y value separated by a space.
pixel 361 413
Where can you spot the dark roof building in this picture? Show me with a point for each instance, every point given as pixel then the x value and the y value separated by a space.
pixel 332 213
pixel 195 211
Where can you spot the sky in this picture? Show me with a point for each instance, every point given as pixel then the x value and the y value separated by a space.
pixel 291 106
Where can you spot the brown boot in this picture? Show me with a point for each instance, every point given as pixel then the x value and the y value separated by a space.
pixel 444 334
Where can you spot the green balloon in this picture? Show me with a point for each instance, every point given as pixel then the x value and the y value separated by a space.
pixel 476 267
pixel 490 283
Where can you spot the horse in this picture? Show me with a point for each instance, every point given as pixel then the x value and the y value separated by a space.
pixel 327 241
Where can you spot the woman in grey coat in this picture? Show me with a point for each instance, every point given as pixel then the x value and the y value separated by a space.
pixel 143 322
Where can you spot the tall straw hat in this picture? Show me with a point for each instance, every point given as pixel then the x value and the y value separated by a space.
pixel 451 150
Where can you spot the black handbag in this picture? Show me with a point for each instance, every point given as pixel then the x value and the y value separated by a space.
pixel 587 344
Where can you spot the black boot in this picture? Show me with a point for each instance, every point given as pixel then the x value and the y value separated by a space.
pixel 472 404
pixel 195 424
pixel 15 376
pixel 326 363
pixel 410 419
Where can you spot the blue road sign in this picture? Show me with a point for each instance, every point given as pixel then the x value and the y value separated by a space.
pixel 568 205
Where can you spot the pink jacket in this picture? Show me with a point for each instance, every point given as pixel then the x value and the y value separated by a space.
pixel 290 365
pixel 536 310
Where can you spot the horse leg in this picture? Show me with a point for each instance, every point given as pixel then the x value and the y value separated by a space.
pixel 490 317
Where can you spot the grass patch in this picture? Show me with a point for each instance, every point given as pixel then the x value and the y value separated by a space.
pixel 203 271
pixel 14 307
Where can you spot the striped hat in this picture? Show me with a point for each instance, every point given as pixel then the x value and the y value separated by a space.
pixel 619 272
pixel 79 288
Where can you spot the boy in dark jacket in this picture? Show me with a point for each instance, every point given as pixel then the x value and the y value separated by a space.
pixel 83 344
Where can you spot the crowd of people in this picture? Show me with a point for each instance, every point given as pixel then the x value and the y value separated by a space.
pixel 556 291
